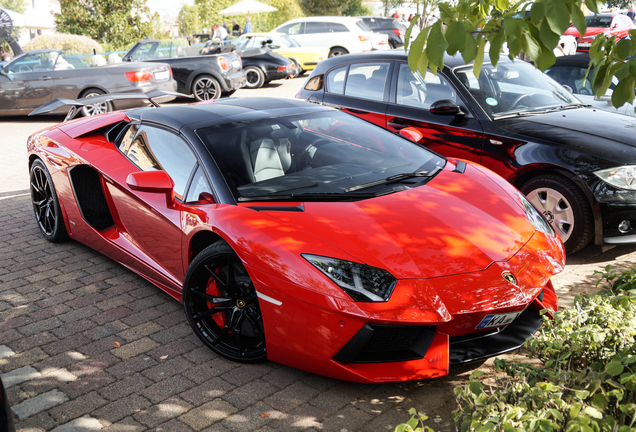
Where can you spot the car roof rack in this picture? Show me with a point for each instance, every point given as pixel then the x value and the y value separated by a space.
pixel 77 104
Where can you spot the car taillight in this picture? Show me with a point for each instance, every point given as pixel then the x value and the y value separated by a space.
pixel 398 32
pixel 170 70
pixel 224 64
pixel 363 38
pixel 284 68
pixel 139 76
pixel 382 42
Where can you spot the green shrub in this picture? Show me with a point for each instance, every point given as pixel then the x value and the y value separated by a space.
pixel 72 44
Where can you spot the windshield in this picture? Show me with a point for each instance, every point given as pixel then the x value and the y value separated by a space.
pixel 315 156
pixel 513 88
pixel 287 41
pixel 598 21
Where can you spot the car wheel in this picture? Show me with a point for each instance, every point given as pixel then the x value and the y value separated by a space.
pixel 206 87
pixel 337 52
pixel 222 307
pixel 98 108
pixel 46 206
pixel 565 206
pixel 255 77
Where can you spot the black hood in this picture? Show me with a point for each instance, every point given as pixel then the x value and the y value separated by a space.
pixel 590 131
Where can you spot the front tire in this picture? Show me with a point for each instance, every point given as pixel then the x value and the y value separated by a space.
pixel 46 205
pixel 206 87
pixel 335 52
pixel 565 206
pixel 98 108
pixel 222 307
pixel 255 77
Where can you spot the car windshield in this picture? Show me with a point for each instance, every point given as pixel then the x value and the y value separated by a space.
pixel 325 156
pixel 514 88
pixel 598 21
pixel 286 41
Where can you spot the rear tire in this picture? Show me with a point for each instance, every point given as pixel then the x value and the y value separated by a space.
pixel 206 87
pixel 98 108
pixel 255 77
pixel 335 52
pixel 46 206
pixel 565 206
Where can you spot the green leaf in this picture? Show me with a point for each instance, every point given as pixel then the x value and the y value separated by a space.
pixel 575 410
pixel 455 36
pixel 556 415
pixel 547 59
pixel 511 26
pixel 537 13
pixel 532 48
pixel 581 394
pixel 407 36
pixel 579 20
pixel 479 58
pixel 621 49
pixel 557 15
pixel 593 412
pixel 548 37
pixel 495 47
pixel 475 387
pixel 600 401
pixel 412 422
pixel 592 6
pixel 623 93
pixel 416 48
pixel 436 47
pixel 476 374
pixel 470 49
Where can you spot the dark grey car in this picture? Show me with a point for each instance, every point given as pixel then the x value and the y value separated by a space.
pixel 39 76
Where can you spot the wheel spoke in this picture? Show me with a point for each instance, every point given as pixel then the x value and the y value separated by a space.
pixel 211 311
pixel 215 276
pixel 211 298
pixel 221 335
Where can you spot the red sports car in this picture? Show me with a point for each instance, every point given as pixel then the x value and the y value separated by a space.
pixel 612 24
pixel 300 234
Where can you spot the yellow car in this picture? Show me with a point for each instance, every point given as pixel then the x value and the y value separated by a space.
pixel 305 58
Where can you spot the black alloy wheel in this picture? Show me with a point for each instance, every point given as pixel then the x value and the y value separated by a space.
pixel 222 306
pixel 206 87
pixel 255 77
pixel 46 206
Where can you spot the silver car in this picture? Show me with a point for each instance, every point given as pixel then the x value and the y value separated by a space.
pixel 39 76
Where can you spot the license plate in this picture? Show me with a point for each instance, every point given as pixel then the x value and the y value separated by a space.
pixel 497 320
pixel 585 45
pixel 236 64
pixel 163 75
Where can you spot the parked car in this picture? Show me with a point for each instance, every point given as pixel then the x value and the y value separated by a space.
pixel 572 70
pixel 205 77
pixel 305 58
pixel 39 76
pixel 612 24
pixel 299 234
pixel 341 35
pixel 576 163
pixel 391 27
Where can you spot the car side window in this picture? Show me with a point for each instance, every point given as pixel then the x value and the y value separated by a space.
pixel 420 92
pixel 367 81
pixel 336 79
pixel 317 27
pixel 33 63
pixel 572 76
pixel 339 28
pixel 292 29
pixel 151 148
pixel 198 186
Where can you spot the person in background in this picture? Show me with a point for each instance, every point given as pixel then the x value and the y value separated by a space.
pixel 410 17
pixel 631 13
pixel 227 29
pixel 396 14
pixel 248 25
pixel 221 32
pixel 236 29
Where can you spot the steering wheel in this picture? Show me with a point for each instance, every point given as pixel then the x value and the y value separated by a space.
pixel 24 68
pixel 304 158
pixel 517 101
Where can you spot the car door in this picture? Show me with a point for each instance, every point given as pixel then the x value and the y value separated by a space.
pixel 30 82
pixel 317 33
pixel 360 89
pixel 149 222
pixel 454 136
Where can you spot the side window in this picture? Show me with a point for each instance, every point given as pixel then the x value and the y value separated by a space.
pixel 33 63
pixel 198 186
pixel 339 28
pixel 571 76
pixel 157 149
pixel 336 79
pixel 292 29
pixel 317 27
pixel 420 92
pixel 367 81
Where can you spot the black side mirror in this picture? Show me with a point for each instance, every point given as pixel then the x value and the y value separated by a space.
pixel 446 107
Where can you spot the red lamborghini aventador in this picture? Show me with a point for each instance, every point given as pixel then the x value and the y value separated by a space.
pixel 303 235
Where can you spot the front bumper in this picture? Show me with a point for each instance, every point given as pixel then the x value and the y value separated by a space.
pixel 233 81
pixel 618 211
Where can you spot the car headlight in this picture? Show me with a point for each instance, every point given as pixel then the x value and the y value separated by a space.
pixel 363 283
pixel 535 217
pixel 621 177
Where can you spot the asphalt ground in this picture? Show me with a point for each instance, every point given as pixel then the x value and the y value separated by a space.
pixel 86 344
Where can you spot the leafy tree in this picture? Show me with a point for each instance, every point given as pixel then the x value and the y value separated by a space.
pixel 189 21
pixel 619 4
pixel 322 7
pixel 112 21
pixel 428 8
pixel 14 5
pixel 468 29
pixel 390 5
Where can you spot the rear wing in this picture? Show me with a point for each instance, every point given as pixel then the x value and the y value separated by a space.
pixel 77 104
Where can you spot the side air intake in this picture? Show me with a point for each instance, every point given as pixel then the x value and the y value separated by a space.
pixel 90 197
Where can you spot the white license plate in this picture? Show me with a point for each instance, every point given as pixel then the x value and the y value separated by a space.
pixel 585 45
pixel 236 64
pixel 163 75
pixel 497 320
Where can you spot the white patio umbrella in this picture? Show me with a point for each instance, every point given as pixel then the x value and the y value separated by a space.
pixel 18 19
pixel 245 7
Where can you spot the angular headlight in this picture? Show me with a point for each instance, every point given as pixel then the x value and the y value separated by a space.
pixel 621 177
pixel 363 283
pixel 537 220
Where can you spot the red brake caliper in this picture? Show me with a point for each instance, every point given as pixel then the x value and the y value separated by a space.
pixel 213 290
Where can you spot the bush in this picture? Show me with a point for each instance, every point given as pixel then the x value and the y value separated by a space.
pixel 73 44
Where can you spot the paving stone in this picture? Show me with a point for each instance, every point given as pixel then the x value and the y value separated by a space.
pixel 168 368
pixel 204 372
pixel 71 343
pixel 246 373
pixel 134 348
pixel 9 336
pixel 337 397
pixel 59 374
pixel 173 333
pixel 248 394
pixel 82 424
pixel 254 417
pixel 140 331
pixel 211 389
pixel 173 318
pixel 349 418
pixel 22 359
pixel 5 351
pixel 18 376
pixel 162 412
pixel 207 414
pixel 49 312
pixel 105 330
pixel 125 425
pixel 87 384
pixel 125 386
pixel 38 423
pixel 112 315
pixel 131 366
pixel 202 354
pixel 79 314
pixel 121 408
pixel 36 340
pixel 291 396
pixel 40 326
pixel 140 317
pixel 39 403
pixel 166 388
pixel 77 407
pixel 178 347
pixel 302 417
pixel 284 376
pixel 99 346
pixel 94 364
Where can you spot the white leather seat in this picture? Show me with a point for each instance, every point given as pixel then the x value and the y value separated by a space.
pixel 265 160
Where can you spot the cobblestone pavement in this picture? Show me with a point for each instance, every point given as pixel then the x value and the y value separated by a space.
pixel 85 344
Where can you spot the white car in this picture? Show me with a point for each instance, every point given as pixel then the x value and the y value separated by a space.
pixel 342 35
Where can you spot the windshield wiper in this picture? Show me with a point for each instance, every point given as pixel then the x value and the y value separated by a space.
pixel 395 178
pixel 336 196
pixel 545 111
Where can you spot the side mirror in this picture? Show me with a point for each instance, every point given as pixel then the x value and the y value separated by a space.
pixel 206 197
pixel 274 47
pixel 446 107
pixel 153 182
pixel 411 134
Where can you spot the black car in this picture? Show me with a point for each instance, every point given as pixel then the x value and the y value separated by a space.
pixel 576 163
pixel 206 77
pixel 6 416
pixel 387 26
pixel 262 65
